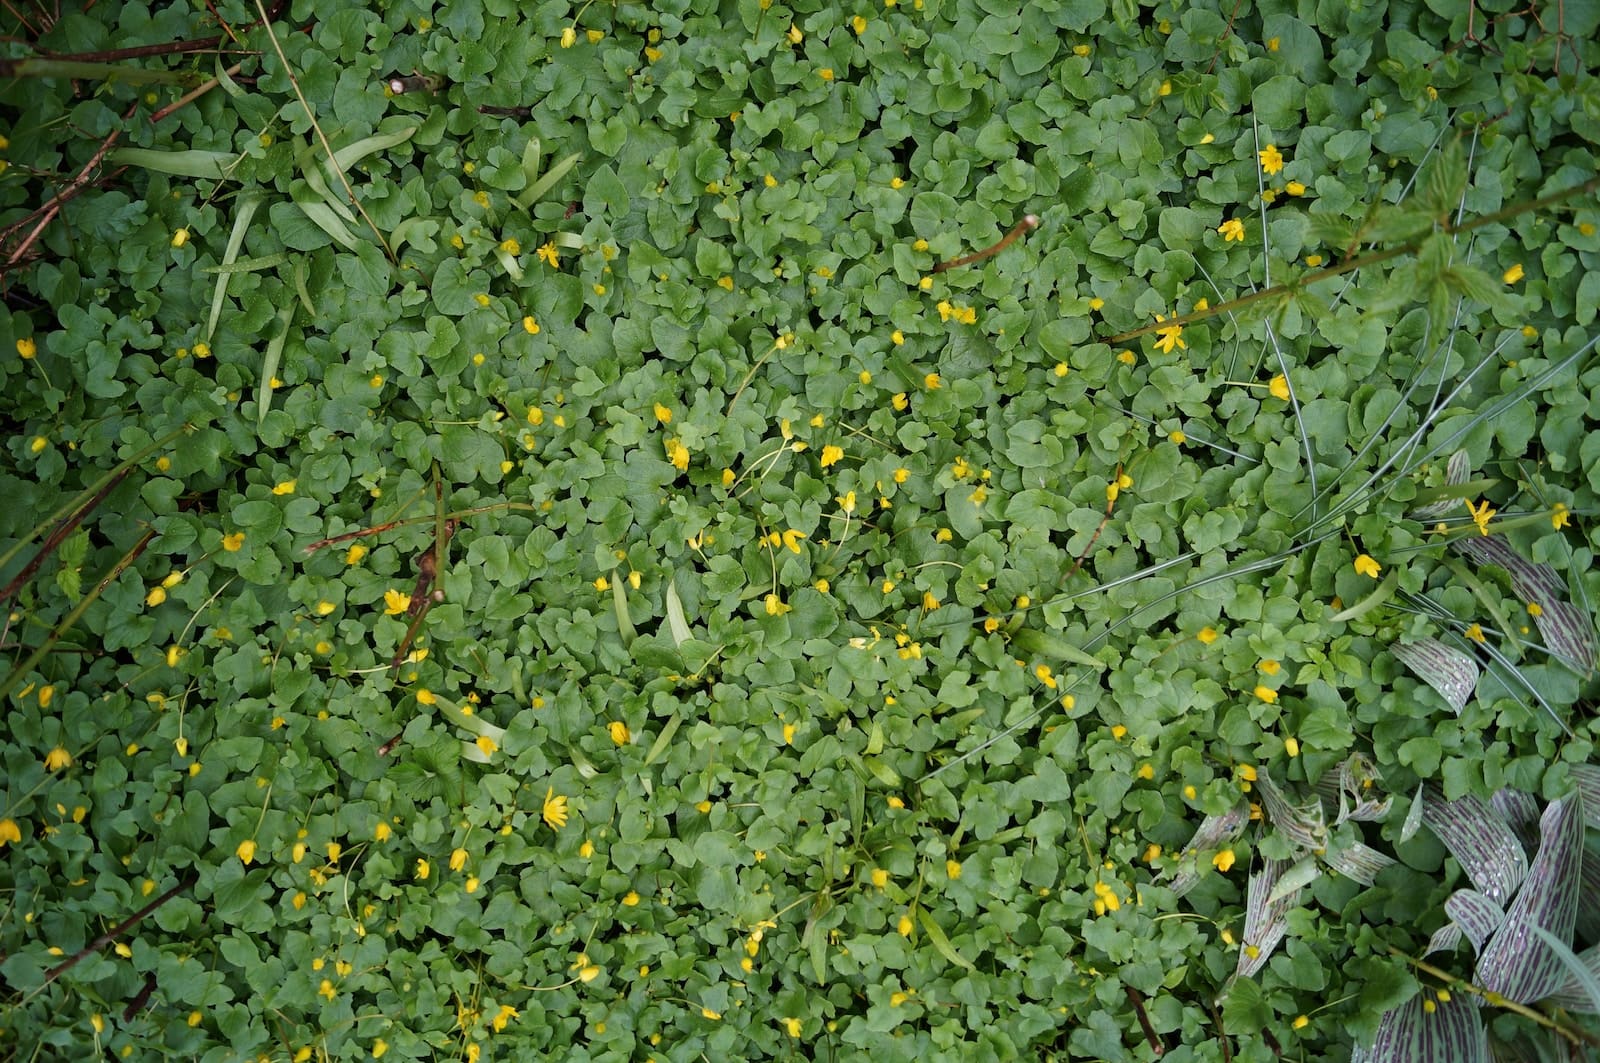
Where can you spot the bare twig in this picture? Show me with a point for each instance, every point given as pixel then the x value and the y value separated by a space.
pixel 114 933
pixel 55 538
pixel 1028 223
pixel 53 207
pixel 192 95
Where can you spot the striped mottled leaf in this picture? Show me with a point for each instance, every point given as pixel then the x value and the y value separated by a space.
pixel 1476 915
pixel 1567 631
pixel 1480 841
pixel 1351 792
pixel 1581 990
pixel 1587 777
pixel 1265 919
pixel 1516 963
pixel 1446 939
pixel 1427 1030
pixel 1212 832
pixel 1520 810
pixel 1358 862
pixel 1451 673
pixel 1301 824
pixel 1413 818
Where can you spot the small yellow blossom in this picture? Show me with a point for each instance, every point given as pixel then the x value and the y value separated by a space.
pixel 932 382
pixel 156 596
pixel 1535 609
pixel 897 337
pixel 831 455
pixel 1169 337
pixel 9 832
pixel 554 812
pixel 952 869
pixel 663 414
pixel 27 348
pixel 1481 513
pixel 57 759
pixel 1514 274
pixel 1223 861
pixel 1231 230
pixel 905 926
pixel 486 745
pixel 180 237
pixel 790 1024
pixel 1118 731
pixel 246 851
pixel 569 37
pixel 424 869
pixel 1044 675
pixel 1269 667
pixel 619 732
pixel 511 246
pixel 395 602
pixel 630 899
pixel 530 326
pixel 1266 694
pixel 1278 386
pixel 382 832
pixel 1367 566
pixel 1207 635
pixel 1295 188
pixel 1271 159
pixel 1291 746
pixel 379 1047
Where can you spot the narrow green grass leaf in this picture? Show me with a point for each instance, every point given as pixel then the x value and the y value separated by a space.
pixel 193 162
pixel 535 192
pixel 1382 593
pixel 676 624
pixel 326 220
pixel 250 265
pixel 351 154
pixel 619 603
pixel 659 746
pixel 941 943
pixel 269 364
pixel 245 209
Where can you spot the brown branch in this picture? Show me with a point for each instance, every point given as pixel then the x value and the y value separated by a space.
pixel 115 932
pixel 1028 223
pixel 55 538
pixel 1588 187
pixel 1137 1001
pixel 53 207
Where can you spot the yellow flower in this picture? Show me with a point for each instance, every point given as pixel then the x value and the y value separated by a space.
pixel 932 382
pixel 1475 632
pixel 952 869
pixel 793 1025
pixel 663 414
pixel 326 990
pixel 548 252
pixel 1535 609
pixel 1271 159
pixel 1223 861
pixel 26 347
pixel 1300 1022
pixel 554 812
pixel 246 851
pixel 180 237
pixel 510 246
pixel 9 832
pixel 714 1016
pixel 354 555
pixel 486 745
pixel 630 899
pixel 791 540
pixel 1514 274
pixel 1291 746
pixel 1279 387
pixel 284 488
pixel 1231 230
pixel 1169 337
pixel 677 454
pixel 156 596
pixel 1295 188
pixel 775 605
pixel 569 37
pixel 1367 566
pixel 504 1016
pixel 1207 635
pixel 1480 515
pixel 458 859
pixel 57 759
pixel 1044 675
pixel 905 926
pixel 1559 516
pixel 1269 667
pixel 424 869
pixel 831 455
pixel 530 326
pixel 382 832
pixel 395 602
pixel 1266 694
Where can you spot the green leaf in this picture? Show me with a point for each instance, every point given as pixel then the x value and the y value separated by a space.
pixel 941 943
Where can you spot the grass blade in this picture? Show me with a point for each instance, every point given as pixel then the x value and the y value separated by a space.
pixel 241 222
pixel 269 365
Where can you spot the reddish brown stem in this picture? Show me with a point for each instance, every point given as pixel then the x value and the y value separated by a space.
pixel 1137 1001
pixel 1096 536
pixel 1028 222
pixel 115 932
pixel 55 538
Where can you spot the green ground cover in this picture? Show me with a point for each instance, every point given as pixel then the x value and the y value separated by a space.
pixel 515 548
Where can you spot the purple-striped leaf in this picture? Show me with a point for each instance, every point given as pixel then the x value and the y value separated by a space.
pixel 1587 778
pixel 1567 633
pixel 1476 915
pixel 1516 964
pixel 1265 920
pixel 1427 1030
pixel 1480 841
pixel 1452 674
pixel 1413 818
pixel 1589 894
pixel 1457 471
pixel 1531 581
pixel 1520 810
pixel 1301 824
pixel 1578 993
pixel 1357 861
pixel 1350 793
pixel 1212 832
pixel 1446 939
